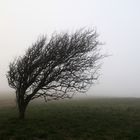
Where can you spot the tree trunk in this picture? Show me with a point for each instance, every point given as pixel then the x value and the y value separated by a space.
pixel 22 110
pixel 22 105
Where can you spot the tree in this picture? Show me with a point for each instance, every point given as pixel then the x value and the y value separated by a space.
pixel 55 69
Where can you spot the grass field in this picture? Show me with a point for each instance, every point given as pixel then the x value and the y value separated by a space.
pixel 85 119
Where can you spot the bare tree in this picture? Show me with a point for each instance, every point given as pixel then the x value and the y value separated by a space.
pixel 55 69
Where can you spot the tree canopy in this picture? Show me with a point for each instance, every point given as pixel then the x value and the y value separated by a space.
pixel 57 68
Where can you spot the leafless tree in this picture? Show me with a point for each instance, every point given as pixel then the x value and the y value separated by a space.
pixel 55 69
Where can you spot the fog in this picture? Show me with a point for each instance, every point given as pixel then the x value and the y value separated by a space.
pixel 116 21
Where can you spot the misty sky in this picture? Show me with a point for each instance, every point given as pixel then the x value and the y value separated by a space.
pixel 117 22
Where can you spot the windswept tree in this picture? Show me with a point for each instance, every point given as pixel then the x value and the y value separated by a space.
pixel 55 69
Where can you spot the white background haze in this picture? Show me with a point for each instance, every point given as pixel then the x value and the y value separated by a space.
pixel 116 21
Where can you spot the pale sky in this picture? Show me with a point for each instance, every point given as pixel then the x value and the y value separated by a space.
pixel 117 22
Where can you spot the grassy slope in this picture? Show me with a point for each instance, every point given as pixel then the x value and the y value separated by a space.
pixel 93 119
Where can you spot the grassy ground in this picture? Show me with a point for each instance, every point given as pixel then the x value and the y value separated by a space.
pixel 86 119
